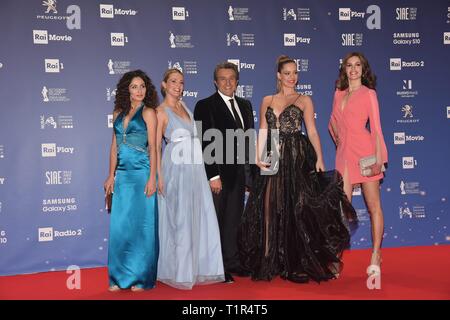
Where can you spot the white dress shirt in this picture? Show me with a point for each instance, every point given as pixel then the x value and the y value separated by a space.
pixel 226 99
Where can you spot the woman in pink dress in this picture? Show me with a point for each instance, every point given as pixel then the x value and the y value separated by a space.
pixel 355 103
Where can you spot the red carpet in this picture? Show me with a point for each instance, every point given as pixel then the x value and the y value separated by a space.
pixel 407 273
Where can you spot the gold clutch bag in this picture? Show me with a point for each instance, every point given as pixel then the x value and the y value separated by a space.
pixel 366 163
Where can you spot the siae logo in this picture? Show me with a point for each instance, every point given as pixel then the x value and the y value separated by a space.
pixel 58 177
pixel 352 39
pixel 405 14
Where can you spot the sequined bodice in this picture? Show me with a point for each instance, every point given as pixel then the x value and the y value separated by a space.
pixel 288 122
pixel 135 134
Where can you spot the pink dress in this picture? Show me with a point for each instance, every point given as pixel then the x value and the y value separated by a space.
pixel 355 140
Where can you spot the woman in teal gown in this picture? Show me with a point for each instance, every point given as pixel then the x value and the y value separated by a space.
pixel 133 236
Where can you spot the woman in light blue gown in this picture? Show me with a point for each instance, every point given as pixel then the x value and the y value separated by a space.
pixel 190 251
pixel 133 235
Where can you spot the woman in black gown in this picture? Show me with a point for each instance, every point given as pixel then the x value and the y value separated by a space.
pixel 296 221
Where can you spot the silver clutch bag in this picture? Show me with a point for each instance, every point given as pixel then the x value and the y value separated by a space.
pixel 366 163
pixel 269 158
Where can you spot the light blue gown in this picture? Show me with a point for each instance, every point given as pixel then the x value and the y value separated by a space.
pixel 190 250
pixel 133 236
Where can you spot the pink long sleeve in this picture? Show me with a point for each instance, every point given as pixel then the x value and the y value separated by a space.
pixel 375 126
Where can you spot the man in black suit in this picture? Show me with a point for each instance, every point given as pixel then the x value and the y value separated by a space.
pixel 224 111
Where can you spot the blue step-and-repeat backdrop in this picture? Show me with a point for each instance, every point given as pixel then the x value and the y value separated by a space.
pixel 60 61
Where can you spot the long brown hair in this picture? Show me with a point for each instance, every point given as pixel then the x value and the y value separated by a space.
pixel 368 78
pixel 281 61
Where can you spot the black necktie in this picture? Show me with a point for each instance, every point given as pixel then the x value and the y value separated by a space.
pixel 236 115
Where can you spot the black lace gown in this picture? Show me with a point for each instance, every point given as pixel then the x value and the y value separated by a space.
pixel 296 222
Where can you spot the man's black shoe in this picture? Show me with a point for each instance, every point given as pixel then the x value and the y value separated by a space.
pixel 240 272
pixel 228 278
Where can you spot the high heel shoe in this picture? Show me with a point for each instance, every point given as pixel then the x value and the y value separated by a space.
pixel 136 289
pixel 298 277
pixel 375 268
pixel 114 288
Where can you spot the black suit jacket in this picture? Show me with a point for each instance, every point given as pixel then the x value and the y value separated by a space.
pixel 214 113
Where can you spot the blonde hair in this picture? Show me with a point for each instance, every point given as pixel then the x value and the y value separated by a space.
pixel 166 77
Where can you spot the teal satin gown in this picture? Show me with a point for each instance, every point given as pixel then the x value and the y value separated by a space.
pixel 133 240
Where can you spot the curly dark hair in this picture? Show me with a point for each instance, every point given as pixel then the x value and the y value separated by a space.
pixel 122 102
pixel 368 78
